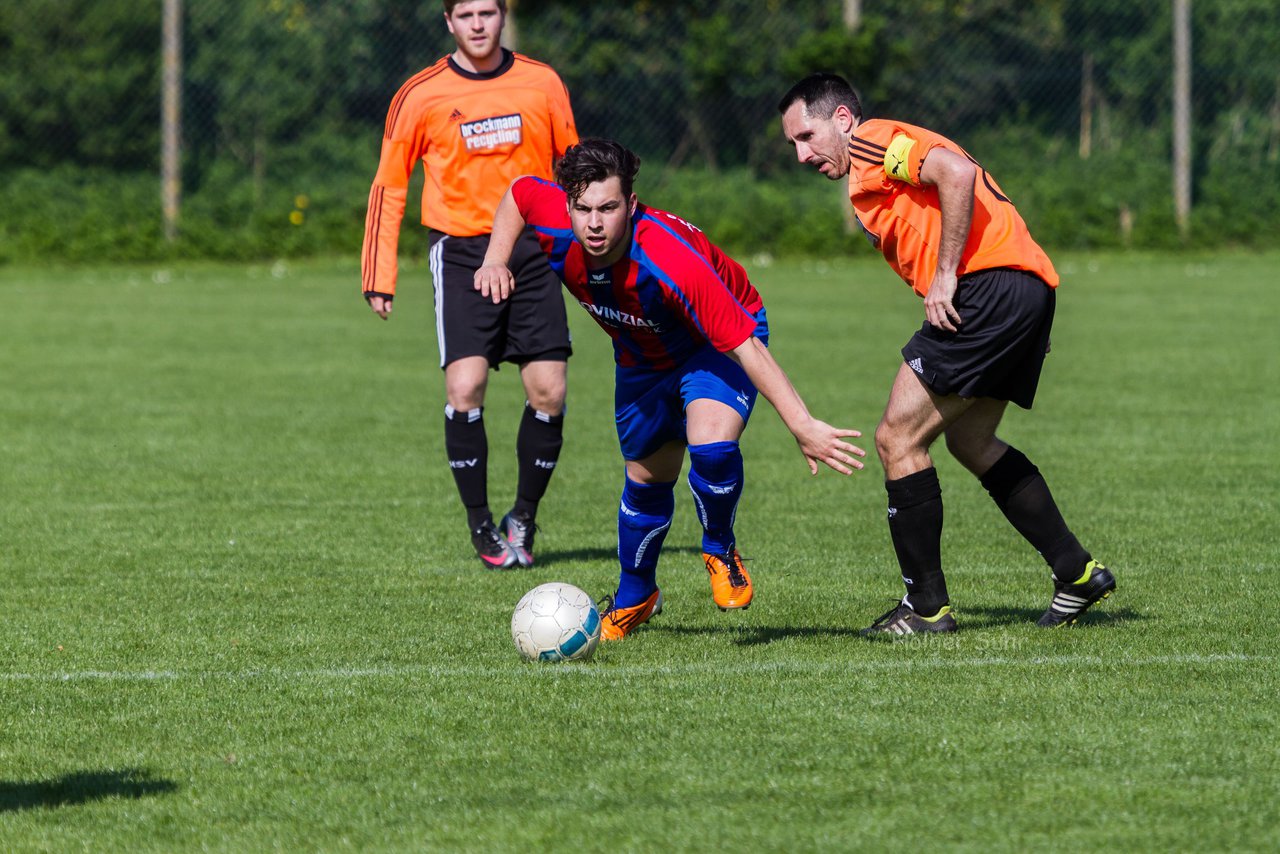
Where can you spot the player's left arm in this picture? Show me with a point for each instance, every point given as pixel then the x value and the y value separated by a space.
pixel 953 176
pixel 818 441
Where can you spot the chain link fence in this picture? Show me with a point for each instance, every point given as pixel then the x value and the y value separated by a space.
pixel 275 90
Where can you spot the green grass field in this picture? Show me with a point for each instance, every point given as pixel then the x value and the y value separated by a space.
pixel 239 610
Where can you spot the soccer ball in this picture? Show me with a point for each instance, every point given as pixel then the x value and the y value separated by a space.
pixel 555 622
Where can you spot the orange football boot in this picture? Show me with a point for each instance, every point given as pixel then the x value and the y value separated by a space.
pixel 730 583
pixel 617 623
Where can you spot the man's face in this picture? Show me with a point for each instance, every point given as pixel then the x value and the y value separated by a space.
pixel 601 220
pixel 821 143
pixel 476 26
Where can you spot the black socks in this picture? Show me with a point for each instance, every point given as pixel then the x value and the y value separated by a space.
pixel 537 452
pixel 915 524
pixel 1020 491
pixel 467 446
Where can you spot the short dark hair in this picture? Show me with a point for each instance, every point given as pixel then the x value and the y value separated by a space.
pixel 821 94
pixel 449 4
pixel 595 159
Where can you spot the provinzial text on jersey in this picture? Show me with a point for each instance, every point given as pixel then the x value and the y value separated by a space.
pixel 605 313
pixel 492 132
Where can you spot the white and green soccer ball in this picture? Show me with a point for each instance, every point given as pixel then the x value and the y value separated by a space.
pixel 555 622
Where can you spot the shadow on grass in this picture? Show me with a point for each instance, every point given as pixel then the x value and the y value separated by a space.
pixel 81 787
pixel 981 617
pixel 553 557
pixel 758 635
pixel 763 635
pixel 971 619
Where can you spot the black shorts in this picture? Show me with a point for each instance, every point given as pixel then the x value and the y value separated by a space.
pixel 530 325
pixel 999 347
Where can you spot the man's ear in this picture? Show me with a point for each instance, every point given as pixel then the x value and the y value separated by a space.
pixel 843 117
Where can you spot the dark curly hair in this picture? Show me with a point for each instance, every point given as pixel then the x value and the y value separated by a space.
pixel 595 159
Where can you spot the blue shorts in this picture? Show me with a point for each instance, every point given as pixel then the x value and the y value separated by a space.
pixel 649 405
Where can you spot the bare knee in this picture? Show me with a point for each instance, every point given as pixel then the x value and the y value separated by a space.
pixel 465 391
pixel 464 398
pixel 545 386
pixel 900 453
pixel 885 442
pixel 547 397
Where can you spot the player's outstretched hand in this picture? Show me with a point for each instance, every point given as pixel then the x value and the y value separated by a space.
pixel 822 443
pixel 381 306
pixel 495 282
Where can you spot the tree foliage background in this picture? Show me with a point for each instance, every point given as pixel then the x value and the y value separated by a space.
pixel 1068 102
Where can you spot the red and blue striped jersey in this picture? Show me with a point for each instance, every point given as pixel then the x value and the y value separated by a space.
pixel 674 291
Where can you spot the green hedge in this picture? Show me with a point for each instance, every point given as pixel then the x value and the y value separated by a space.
pixel 84 215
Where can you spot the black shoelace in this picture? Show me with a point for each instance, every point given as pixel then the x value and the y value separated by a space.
pixel 888 616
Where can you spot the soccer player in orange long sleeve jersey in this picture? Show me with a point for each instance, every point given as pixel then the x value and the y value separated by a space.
pixel 478 119
pixel 948 230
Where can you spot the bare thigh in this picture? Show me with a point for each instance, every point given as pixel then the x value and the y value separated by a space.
pixel 913 419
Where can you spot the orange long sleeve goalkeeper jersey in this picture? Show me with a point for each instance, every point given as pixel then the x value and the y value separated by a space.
pixel 475 134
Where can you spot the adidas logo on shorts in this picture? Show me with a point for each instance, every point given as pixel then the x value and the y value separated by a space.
pixel 916 365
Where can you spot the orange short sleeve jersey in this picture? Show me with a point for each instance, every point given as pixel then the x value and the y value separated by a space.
pixel 475 134
pixel 902 216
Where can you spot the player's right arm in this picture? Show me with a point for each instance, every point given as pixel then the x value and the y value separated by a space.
pixel 953 177
pixel 494 280
pixel 403 144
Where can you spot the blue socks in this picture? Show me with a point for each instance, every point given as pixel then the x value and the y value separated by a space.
pixel 715 476
pixel 644 517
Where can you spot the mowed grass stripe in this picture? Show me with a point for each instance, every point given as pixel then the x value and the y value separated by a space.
pixel 630 671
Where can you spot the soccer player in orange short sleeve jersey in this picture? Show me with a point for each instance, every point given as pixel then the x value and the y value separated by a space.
pixel 478 119
pixel 989 290
pixel 901 216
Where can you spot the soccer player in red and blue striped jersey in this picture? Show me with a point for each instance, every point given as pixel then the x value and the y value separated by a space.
pixel 689 335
